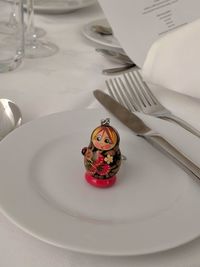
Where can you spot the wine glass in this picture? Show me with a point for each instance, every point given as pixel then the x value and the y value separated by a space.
pixel 35 48
pixel 11 34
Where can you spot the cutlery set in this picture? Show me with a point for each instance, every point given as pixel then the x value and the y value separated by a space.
pixel 116 56
pixel 129 94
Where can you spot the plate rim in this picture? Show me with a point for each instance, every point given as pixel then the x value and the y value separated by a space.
pixel 86 32
pixel 58 10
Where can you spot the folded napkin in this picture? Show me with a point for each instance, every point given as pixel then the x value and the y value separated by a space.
pixel 173 61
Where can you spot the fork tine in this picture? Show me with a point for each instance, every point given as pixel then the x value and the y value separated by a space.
pixel 115 89
pixel 112 91
pixel 109 89
pixel 141 92
pixel 135 93
pixel 147 89
pixel 127 97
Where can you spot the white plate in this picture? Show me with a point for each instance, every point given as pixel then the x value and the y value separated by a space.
pixel 60 6
pixel 154 205
pixel 105 40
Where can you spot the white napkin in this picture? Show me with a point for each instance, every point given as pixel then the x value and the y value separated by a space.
pixel 173 61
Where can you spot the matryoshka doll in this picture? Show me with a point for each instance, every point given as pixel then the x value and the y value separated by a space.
pixel 102 158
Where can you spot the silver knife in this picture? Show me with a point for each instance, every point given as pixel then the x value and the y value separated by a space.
pixel 141 129
pixel 119 57
pixel 117 70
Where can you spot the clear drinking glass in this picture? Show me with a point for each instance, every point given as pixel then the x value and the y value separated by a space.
pixel 34 47
pixel 11 34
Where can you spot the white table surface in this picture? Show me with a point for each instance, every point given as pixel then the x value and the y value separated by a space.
pixel 63 82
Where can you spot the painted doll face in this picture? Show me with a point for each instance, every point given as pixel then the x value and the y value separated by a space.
pixel 104 138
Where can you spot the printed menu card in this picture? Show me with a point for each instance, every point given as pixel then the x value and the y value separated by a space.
pixel 139 23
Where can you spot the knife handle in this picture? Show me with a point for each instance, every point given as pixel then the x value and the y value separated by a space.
pixel 184 162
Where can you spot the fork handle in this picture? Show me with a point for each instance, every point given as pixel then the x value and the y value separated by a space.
pixel 177 156
pixel 182 123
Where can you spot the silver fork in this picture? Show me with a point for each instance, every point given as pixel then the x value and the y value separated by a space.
pixel 131 91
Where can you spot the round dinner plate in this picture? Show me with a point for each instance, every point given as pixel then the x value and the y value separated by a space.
pixel 105 40
pixel 60 6
pixel 153 206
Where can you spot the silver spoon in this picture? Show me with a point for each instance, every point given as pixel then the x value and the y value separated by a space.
pixel 10 117
pixel 104 30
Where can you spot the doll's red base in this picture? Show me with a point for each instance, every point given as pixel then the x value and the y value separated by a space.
pixel 102 183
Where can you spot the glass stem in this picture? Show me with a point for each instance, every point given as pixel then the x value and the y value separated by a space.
pixel 30 32
pixel 12 19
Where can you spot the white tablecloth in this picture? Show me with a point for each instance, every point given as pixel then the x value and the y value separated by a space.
pixel 65 81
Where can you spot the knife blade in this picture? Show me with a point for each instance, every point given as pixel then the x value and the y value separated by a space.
pixel 118 70
pixel 134 123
